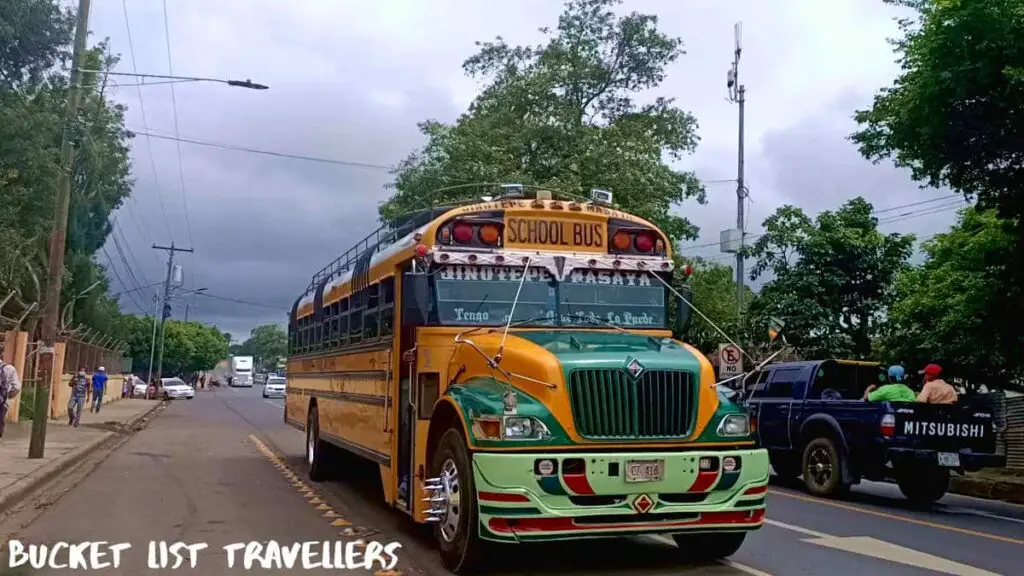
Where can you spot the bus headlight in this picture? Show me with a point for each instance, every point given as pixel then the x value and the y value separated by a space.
pixel 734 425
pixel 509 428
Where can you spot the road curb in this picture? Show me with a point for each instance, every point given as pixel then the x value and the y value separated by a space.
pixel 15 493
pixel 1012 492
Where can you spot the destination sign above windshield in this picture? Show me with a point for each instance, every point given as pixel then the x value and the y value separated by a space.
pixel 553 233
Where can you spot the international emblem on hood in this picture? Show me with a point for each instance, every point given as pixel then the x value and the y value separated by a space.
pixel 634 367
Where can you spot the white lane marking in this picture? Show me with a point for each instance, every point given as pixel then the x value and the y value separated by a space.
pixel 973 512
pixel 743 568
pixel 867 546
pixel 800 529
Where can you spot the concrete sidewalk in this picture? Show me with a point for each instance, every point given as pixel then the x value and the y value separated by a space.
pixel 64 446
pixel 991 484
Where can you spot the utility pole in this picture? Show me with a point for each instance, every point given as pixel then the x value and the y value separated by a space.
pixel 152 342
pixel 737 94
pixel 163 309
pixel 187 306
pixel 55 261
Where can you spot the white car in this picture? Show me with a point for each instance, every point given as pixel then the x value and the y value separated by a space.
pixel 275 387
pixel 140 388
pixel 174 388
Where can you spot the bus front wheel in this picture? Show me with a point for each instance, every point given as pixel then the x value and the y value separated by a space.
pixel 454 509
pixel 314 447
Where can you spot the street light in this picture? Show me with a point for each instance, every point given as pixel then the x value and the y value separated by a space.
pixel 236 83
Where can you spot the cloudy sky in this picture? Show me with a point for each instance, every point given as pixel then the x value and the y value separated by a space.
pixel 350 80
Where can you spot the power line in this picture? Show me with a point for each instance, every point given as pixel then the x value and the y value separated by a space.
pixel 873 213
pixel 145 123
pixel 237 148
pixel 174 110
pixel 119 279
pixel 237 301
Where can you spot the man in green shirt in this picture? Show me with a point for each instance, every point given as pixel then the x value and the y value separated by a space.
pixel 894 391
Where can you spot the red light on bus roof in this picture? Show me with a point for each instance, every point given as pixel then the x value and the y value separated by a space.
pixel 644 242
pixel 421 250
pixel 463 233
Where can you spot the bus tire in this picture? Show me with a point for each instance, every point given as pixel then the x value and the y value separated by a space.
pixel 315 449
pixel 458 531
pixel 709 546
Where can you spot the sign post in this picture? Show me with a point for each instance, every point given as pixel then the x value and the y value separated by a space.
pixel 730 361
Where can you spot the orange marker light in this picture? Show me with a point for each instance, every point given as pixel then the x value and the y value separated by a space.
pixel 621 241
pixel 489 234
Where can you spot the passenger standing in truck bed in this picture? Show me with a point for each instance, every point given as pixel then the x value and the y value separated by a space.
pixel 936 390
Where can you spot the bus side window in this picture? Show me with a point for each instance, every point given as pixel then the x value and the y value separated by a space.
pixel 429 388
pixel 343 322
pixel 355 319
pixel 387 307
pixel 371 321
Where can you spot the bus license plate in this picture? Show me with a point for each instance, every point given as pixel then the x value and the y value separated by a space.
pixel 949 459
pixel 645 470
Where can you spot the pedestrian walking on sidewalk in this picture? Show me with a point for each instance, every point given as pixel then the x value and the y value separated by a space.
pixel 79 390
pixel 99 388
pixel 10 386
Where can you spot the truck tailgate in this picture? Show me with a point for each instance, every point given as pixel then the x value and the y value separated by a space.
pixel 949 428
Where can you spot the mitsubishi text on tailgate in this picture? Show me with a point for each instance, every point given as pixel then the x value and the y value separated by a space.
pixel 812 419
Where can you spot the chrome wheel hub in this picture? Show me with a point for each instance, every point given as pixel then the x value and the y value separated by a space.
pixel 445 500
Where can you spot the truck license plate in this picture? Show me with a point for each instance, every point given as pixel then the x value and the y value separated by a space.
pixel 645 470
pixel 949 459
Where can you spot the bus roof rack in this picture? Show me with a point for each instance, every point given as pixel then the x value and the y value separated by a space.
pixel 438 202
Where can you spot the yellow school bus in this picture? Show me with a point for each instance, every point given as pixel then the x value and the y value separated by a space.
pixel 509 365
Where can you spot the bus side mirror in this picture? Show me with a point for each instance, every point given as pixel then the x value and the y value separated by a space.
pixel 684 311
pixel 416 295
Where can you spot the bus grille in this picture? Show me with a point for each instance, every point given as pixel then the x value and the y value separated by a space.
pixel 609 404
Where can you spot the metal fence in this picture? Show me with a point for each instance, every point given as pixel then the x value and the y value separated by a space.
pixel 29 382
pixel 81 354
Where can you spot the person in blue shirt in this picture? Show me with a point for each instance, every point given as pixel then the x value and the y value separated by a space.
pixel 99 386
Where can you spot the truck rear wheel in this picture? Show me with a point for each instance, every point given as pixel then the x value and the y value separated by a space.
pixel 823 468
pixel 924 486
pixel 705 547
pixel 458 527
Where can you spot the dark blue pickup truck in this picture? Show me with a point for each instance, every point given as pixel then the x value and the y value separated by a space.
pixel 813 421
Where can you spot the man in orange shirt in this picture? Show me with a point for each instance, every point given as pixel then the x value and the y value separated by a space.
pixel 936 390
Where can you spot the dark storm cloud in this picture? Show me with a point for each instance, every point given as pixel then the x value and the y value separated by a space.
pixel 813 165
pixel 351 83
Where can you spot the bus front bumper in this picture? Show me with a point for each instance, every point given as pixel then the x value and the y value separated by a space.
pixel 527 497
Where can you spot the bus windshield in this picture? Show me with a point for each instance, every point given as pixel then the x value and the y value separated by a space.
pixel 483 296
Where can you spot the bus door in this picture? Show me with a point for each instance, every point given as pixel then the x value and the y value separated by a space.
pixel 406 430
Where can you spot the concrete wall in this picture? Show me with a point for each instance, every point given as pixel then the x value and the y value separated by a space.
pixel 15 350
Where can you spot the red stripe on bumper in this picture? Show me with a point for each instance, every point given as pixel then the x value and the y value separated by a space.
pixel 756 491
pixel 704 481
pixel 578 484
pixel 510 525
pixel 501 497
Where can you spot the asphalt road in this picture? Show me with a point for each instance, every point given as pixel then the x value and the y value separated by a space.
pixel 206 471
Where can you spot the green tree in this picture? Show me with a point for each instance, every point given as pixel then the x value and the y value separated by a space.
pixel 953 114
pixel 269 344
pixel 31 124
pixel 714 294
pixel 942 312
pixel 34 36
pixel 562 115
pixel 832 278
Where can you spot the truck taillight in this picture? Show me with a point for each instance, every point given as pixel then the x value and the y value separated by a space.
pixel 888 426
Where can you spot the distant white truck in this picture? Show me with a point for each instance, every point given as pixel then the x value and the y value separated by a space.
pixel 240 371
